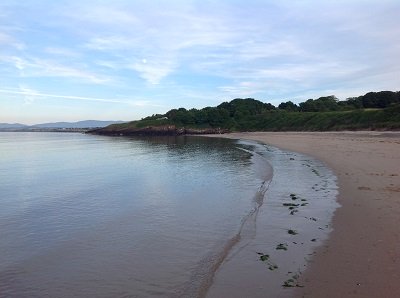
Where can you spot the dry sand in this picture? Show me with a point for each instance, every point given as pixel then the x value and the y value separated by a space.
pixel 362 256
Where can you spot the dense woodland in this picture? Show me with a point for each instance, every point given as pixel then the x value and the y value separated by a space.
pixel 372 111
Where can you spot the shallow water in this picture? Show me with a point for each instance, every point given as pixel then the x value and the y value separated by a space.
pixel 84 215
pixel 93 216
pixel 298 180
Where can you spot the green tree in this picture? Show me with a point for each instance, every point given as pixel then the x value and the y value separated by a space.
pixel 288 106
pixel 380 99
pixel 322 104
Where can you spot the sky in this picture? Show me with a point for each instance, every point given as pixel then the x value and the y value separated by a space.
pixel 125 60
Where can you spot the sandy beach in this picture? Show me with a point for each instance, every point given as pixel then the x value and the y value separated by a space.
pixel 362 256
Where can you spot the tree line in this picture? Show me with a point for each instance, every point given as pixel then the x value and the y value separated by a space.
pixel 252 114
pixel 371 100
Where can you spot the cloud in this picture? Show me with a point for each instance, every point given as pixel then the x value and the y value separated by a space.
pixel 29 94
pixel 32 95
pixel 164 37
pixel 190 53
pixel 110 15
pixel 62 52
pixel 7 40
pixel 153 71
pixel 41 67
pixel 37 67
pixel 111 43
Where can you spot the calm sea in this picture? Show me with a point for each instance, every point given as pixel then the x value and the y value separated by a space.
pixel 93 216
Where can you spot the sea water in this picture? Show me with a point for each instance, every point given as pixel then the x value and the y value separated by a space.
pixel 95 216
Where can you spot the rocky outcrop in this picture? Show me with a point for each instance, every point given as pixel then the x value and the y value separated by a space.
pixel 165 130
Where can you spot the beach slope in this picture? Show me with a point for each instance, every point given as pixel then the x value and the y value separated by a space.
pixel 362 256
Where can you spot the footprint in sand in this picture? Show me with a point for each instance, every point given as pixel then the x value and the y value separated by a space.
pixel 364 188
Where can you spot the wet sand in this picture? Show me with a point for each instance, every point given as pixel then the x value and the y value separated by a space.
pixel 362 256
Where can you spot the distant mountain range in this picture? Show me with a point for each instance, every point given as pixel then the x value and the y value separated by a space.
pixel 12 126
pixel 58 125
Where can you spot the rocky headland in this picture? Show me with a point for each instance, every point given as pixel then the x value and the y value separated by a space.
pixel 164 130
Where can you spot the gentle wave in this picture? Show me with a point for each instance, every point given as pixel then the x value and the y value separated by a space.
pixel 96 216
pixel 203 277
pixel 111 217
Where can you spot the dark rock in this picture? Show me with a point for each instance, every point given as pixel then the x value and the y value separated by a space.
pixel 165 130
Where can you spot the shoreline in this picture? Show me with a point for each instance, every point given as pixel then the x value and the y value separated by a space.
pixel 301 198
pixel 360 258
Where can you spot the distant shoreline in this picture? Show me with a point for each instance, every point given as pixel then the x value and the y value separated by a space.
pixel 78 130
pixel 359 259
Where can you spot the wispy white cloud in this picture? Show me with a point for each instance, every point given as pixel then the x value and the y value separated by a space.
pixel 190 53
pixel 31 95
pixel 242 89
pixel 30 92
pixel 37 67
pixel 7 40
pixel 62 52
pixel 41 67
pixel 165 38
pixel 111 43
pixel 109 15
pixel 153 71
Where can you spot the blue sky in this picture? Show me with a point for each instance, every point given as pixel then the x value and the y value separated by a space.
pixel 124 60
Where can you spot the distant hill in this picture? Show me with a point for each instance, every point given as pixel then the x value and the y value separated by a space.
pixel 79 124
pixel 12 126
pixel 90 124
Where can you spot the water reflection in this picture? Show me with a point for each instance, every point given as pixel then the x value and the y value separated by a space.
pixel 97 216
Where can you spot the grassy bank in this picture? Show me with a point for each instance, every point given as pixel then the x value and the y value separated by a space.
pixel 276 120
pixel 373 119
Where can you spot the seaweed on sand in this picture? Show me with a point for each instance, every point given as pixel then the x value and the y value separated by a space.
pixel 282 246
pixel 265 258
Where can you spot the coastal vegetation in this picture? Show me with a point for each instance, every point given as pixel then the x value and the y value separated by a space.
pixel 372 111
